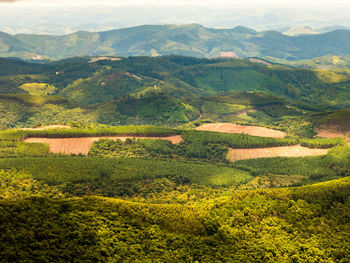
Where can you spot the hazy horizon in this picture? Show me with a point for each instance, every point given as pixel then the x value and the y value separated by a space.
pixel 62 17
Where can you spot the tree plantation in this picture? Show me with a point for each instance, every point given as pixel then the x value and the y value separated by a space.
pixel 275 225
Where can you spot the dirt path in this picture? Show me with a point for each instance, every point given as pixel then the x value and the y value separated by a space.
pixel 82 145
pixel 283 151
pixel 234 128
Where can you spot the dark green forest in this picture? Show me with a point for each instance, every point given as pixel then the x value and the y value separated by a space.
pixel 39 223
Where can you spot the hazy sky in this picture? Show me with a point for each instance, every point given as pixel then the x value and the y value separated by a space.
pixel 246 3
pixel 66 16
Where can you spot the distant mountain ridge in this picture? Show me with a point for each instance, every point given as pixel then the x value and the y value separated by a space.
pixel 187 40
pixel 307 30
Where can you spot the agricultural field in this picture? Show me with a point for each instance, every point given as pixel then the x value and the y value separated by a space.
pixel 334 124
pixel 82 145
pixel 176 195
pixel 283 151
pixel 173 159
pixel 234 128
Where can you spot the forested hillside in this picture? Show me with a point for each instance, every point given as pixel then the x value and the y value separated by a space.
pixel 169 90
pixel 149 200
pixel 113 209
pixel 135 196
pixel 174 143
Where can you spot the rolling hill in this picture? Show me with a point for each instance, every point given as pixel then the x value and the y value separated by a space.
pixel 324 63
pixel 88 82
pixel 95 189
pixel 167 90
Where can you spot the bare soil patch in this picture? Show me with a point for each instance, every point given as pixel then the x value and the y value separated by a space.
pixel 234 128
pixel 228 54
pixel 245 112
pixel 331 132
pixel 283 151
pixel 82 145
pixel 103 58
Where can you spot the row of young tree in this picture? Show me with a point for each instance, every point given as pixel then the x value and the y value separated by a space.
pixel 113 177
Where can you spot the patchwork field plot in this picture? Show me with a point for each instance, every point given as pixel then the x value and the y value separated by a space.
pixel 323 133
pixel 284 151
pixel 234 128
pixel 82 145
pixel 104 58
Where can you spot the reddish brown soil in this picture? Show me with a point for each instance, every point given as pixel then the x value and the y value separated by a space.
pixel 83 145
pixel 234 128
pixel 284 151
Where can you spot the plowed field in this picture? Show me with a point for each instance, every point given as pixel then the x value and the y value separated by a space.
pixel 283 151
pixel 83 145
pixel 234 128
pixel 323 133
